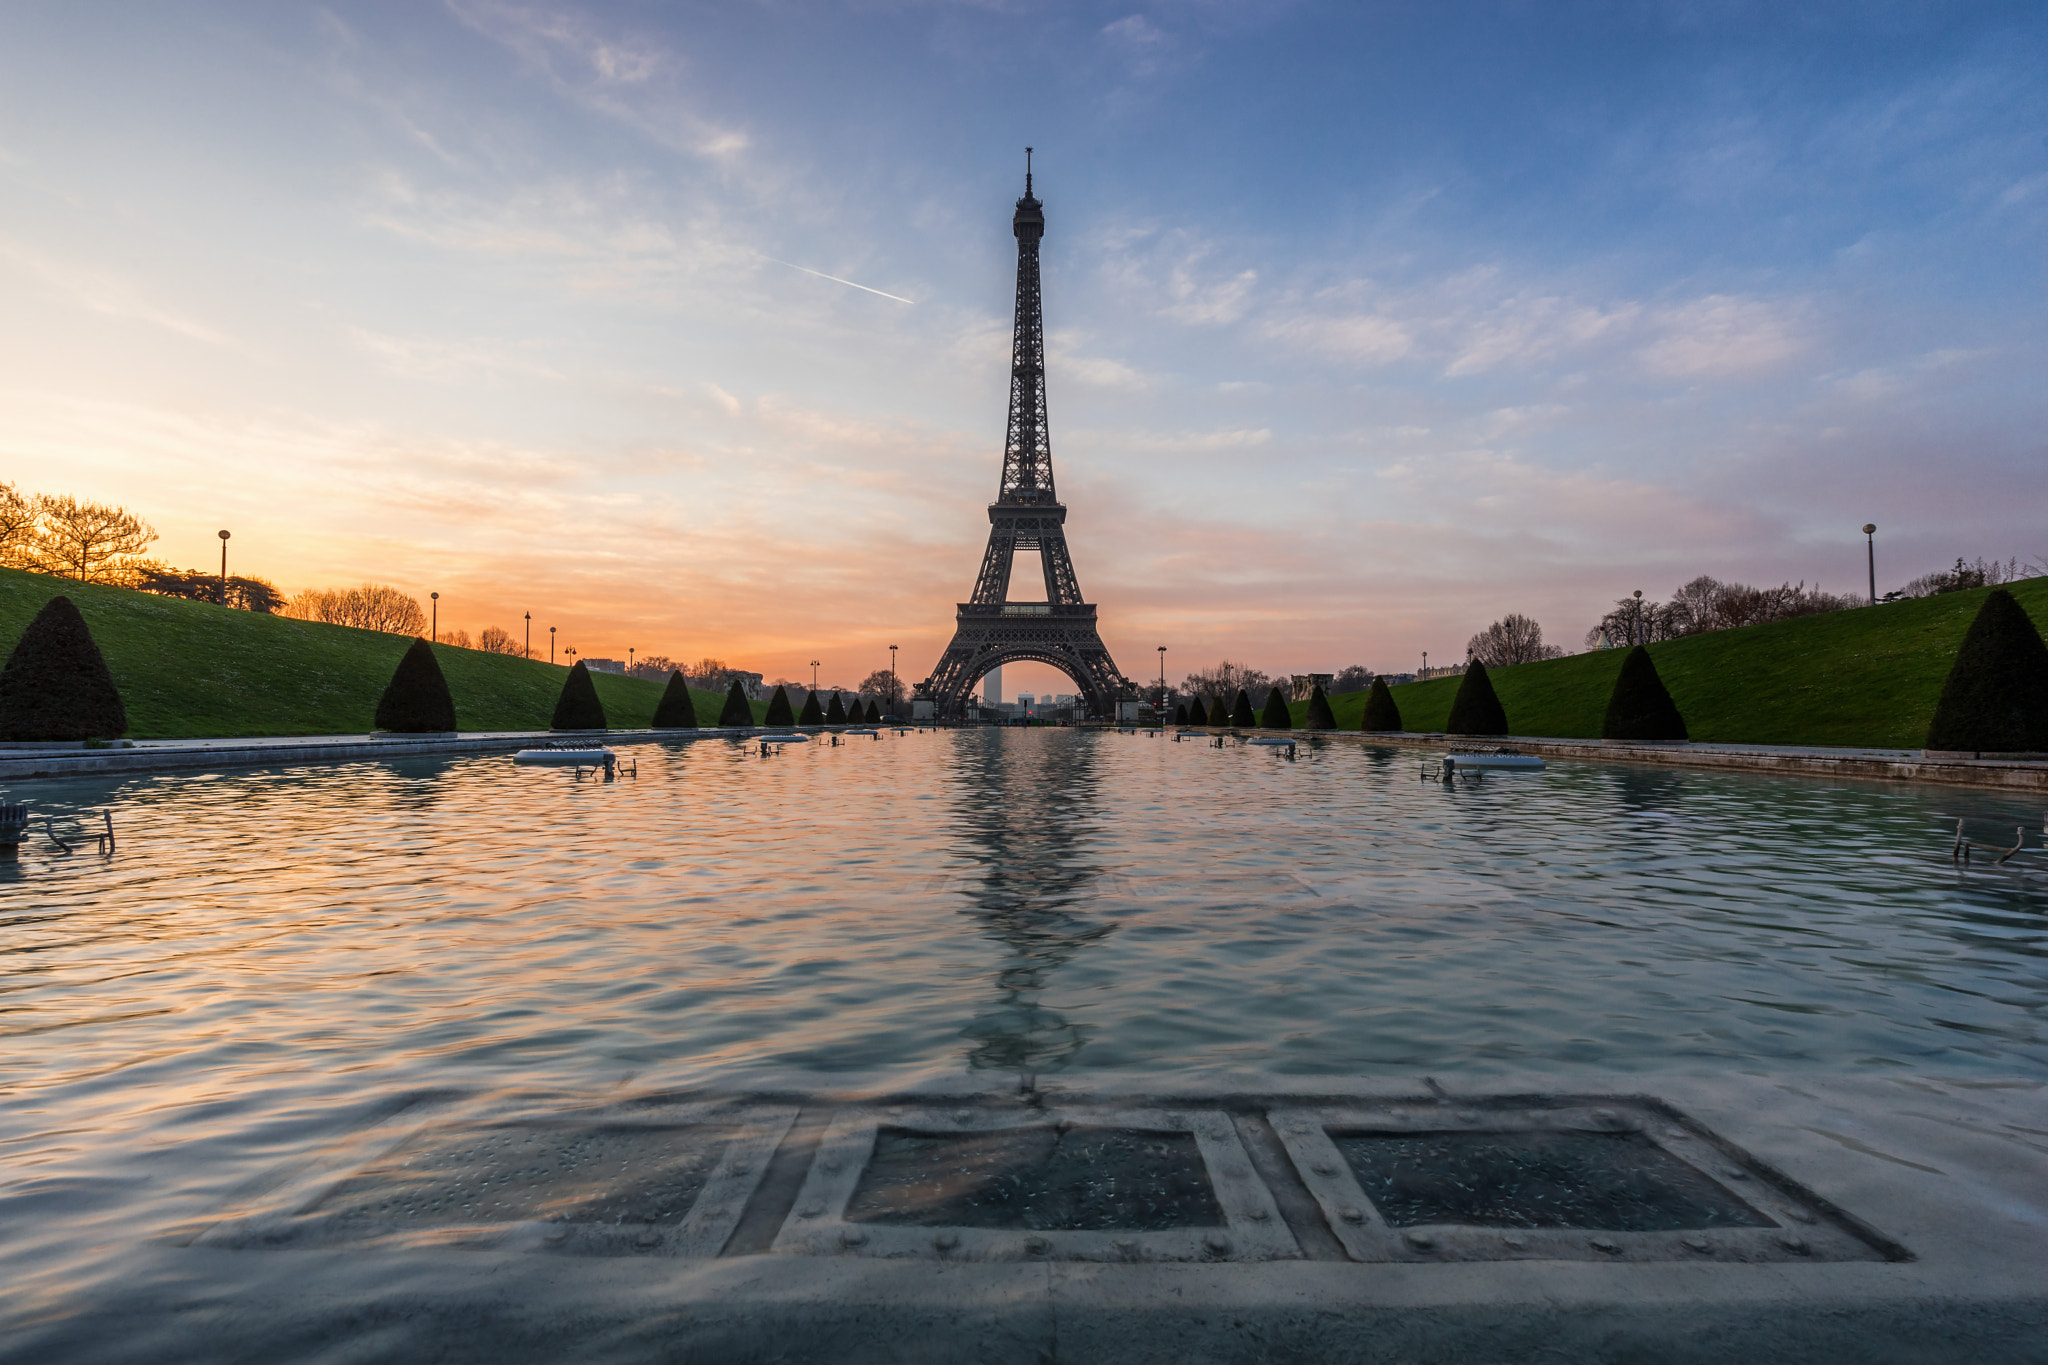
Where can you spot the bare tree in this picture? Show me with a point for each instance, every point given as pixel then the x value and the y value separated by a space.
pixel 1964 576
pixel 657 666
pixel 708 675
pixel 1514 639
pixel 1225 680
pixel 457 638
pixel 89 541
pixel 196 585
pixel 17 529
pixel 496 640
pixel 884 687
pixel 1351 678
pixel 373 606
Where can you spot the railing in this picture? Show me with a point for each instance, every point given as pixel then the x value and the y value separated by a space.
pixel 1027 608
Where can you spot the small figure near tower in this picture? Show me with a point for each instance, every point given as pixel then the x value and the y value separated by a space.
pixel 991 630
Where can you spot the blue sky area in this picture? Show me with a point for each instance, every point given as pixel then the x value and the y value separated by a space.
pixel 1370 322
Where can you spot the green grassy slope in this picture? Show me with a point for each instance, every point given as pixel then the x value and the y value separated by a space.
pixel 189 669
pixel 1866 678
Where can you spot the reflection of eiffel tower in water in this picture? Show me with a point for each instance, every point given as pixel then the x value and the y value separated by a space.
pixel 1023 804
pixel 991 630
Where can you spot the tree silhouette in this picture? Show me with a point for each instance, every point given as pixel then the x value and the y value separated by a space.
pixel 1996 697
pixel 1382 716
pixel 578 707
pixel 736 710
pixel 56 685
pixel 1476 710
pixel 416 701
pixel 675 710
pixel 1640 707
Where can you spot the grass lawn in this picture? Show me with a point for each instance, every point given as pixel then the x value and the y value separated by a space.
pixel 1867 678
pixel 191 669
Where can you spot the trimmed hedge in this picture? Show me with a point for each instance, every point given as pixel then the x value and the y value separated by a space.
pixel 56 685
pixel 1241 714
pixel 417 701
pixel 874 716
pixel 578 707
pixel 1640 706
pixel 1476 710
pixel 1180 715
pixel 835 714
pixel 736 711
pixel 1319 715
pixel 812 714
pixel 1995 699
pixel 675 710
pixel 1276 716
pixel 779 710
pixel 1381 716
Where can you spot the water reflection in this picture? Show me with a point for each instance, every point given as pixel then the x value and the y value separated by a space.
pixel 1023 811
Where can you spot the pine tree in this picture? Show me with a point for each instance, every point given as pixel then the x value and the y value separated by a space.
pixel 1277 716
pixel 812 714
pixel 835 714
pixel 779 712
pixel 1180 715
pixel 1996 696
pixel 1476 710
pixel 416 701
pixel 1382 716
pixel 1319 714
pixel 676 711
pixel 736 711
pixel 578 707
pixel 1241 716
pixel 874 712
pixel 1640 707
pixel 56 684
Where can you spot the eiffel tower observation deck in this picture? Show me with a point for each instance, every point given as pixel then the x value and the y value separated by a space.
pixel 991 630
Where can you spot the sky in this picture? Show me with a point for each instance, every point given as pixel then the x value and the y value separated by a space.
pixel 685 327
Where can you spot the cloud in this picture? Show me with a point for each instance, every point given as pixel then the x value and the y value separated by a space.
pixel 1361 338
pixel 1523 329
pixel 102 291
pixel 1722 335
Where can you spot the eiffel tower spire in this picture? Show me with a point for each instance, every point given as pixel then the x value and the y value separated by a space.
pixel 1026 515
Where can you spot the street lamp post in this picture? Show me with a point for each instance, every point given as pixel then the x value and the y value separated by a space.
pixel 1162 675
pixel 1870 544
pixel 551 644
pixel 1425 663
pixel 529 636
pixel 223 568
pixel 629 659
pixel 434 626
pixel 892 677
pixel 814 675
pixel 1635 631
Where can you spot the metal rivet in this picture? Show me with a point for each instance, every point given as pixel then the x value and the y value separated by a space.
pixel 742 1168
pixel 555 1235
pixel 1421 1241
pixel 647 1239
pixel 852 1237
pixel 945 1241
pixel 1801 1216
pixel 1468 1116
pixel 1325 1168
pixel 1514 1241
pixel 1605 1115
pixel 1606 1244
pixel 1037 1246
pixel 962 1115
pixel 1236 1172
pixel 1124 1246
pixel 1217 1243
pixel 1796 1245
pixel 1736 1173
pixel 1698 1244
pixel 1350 1213
pixel 812 1210
pixel 830 1167
pixel 1258 1215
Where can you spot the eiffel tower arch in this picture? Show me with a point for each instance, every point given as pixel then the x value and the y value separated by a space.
pixel 990 630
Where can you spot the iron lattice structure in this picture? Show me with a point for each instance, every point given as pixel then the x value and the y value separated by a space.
pixel 1027 514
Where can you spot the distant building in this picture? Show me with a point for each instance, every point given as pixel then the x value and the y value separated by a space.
pixel 992 687
pixel 1304 685
pixel 605 665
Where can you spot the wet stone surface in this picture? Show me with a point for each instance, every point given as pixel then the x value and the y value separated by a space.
pixel 613 1175
pixel 1038 1178
pixel 1611 1182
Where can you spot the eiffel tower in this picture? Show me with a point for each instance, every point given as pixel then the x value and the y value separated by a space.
pixel 1027 514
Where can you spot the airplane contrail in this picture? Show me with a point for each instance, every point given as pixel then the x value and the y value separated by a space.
pixel 836 280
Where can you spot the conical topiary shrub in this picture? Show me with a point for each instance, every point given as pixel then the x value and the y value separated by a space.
pixel 1180 714
pixel 1382 716
pixel 56 685
pixel 1996 697
pixel 578 707
pixel 1277 716
pixel 1476 710
pixel 812 714
pixel 416 700
pixel 835 714
pixel 779 711
pixel 1319 715
pixel 675 710
pixel 1640 707
pixel 874 716
pixel 1241 714
pixel 736 711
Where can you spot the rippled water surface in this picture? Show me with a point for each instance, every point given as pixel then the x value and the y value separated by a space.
pixel 270 948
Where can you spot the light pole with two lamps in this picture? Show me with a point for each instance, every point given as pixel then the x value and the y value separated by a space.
pixel 892 677
pixel 1869 544
pixel 434 626
pixel 223 568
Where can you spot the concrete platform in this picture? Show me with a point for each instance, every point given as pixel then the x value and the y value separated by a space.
pixel 1946 1178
